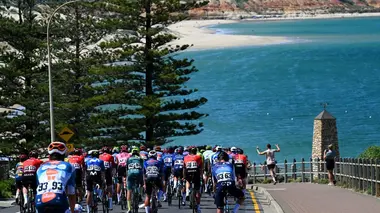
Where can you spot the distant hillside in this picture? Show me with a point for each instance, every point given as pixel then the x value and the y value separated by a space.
pixel 227 7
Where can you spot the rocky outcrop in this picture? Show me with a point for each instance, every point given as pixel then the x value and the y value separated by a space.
pixel 223 7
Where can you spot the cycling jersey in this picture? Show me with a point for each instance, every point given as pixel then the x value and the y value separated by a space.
pixel 55 180
pixel 207 154
pixel 94 169
pixel 19 170
pixel 30 166
pixel 232 157
pixel 159 156
pixel 153 169
pixel 168 160
pixel 192 163
pixel 77 162
pixel 223 172
pixel 122 159
pixel 240 160
pixel 144 155
pixel 214 158
pixel 185 153
pixel 135 166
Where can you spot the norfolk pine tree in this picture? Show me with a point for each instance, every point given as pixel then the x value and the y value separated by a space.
pixel 165 105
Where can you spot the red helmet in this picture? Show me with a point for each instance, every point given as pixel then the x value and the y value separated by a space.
pixel 23 157
pixel 142 148
pixel 124 148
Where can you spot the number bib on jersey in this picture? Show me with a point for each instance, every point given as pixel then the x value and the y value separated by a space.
pixel 152 172
pixel 224 177
pixel 50 186
pixel 76 165
pixel 134 167
pixel 168 161
pixel 178 163
pixel 107 164
pixel 192 166
pixel 29 170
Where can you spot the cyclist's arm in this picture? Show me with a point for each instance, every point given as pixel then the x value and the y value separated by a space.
pixel 70 191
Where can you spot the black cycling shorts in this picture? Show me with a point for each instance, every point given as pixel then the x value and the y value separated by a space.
pixel 240 172
pixel 78 178
pixel 149 183
pixel 194 178
pixel 108 176
pixel 121 172
pixel 91 180
pixel 30 181
pixel 167 173
pixel 221 192
pixel 19 183
pixel 178 173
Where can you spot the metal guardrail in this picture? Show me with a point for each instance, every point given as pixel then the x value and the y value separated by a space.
pixel 354 173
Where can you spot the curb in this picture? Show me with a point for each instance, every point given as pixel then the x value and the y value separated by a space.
pixel 273 202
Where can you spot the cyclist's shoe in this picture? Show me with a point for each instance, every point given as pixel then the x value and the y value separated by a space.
pixel 165 199
pixel 183 203
pixel 159 204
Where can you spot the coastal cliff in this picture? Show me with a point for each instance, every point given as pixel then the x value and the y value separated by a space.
pixel 228 8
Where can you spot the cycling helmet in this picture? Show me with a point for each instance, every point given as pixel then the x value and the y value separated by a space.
pixel 94 153
pixel 157 148
pixel 23 157
pixel 240 151
pixel 233 149
pixel 78 208
pixel 124 148
pixel 170 150
pixel 218 148
pixel 115 149
pixel 57 147
pixel 186 148
pixel 193 150
pixel 77 152
pixel 135 151
pixel 33 154
pixel 208 147
pixel 142 148
pixel 223 156
pixel 106 149
pixel 152 154
pixel 202 150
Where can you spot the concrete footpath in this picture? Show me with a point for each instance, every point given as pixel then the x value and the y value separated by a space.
pixel 319 198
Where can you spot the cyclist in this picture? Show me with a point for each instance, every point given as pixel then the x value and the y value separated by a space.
pixel 241 168
pixel 168 162
pixel 186 151
pixel 207 168
pixel 214 157
pixel 143 152
pixel 233 152
pixel 77 161
pixel 109 162
pixel 153 177
pixel 178 170
pixel 224 182
pixel 192 173
pixel 135 166
pixel 18 174
pixel 56 182
pixel 30 167
pixel 159 152
pixel 95 175
pixel 121 160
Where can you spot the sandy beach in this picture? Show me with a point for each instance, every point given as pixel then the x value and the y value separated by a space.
pixel 194 32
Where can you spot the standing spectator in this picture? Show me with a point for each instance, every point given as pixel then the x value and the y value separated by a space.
pixel 271 162
pixel 329 156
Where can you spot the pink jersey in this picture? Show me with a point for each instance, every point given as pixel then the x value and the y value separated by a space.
pixel 122 158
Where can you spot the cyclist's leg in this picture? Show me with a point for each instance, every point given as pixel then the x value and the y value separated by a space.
pixel 197 187
pixel 219 199
pixel 119 182
pixel 131 183
pixel 89 190
pixel 25 182
pixel 166 181
pixel 239 194
pixel 148 190
pixel 109 183
pixel 78 183
pixel 19 189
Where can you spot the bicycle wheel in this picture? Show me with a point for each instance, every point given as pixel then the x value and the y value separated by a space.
pixel 169 194
pixel 105 203
pixel 135 200
pixel 21 202
pixel 123 199
pixel 179 195
pixel 226 207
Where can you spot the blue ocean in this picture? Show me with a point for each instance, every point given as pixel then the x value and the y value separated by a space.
pixel 271 94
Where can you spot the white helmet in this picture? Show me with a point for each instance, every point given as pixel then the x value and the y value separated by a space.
pixel 218 148
pixel 233 149
pixel 152 153
pixel 57 147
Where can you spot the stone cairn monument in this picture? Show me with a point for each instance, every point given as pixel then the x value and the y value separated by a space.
pixel 325 133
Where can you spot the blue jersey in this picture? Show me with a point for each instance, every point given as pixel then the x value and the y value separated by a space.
pixel 214 158
pixel 185 153
pixel 55 179
pixel 94 166
pixel 153 169
pixel 87 158
pixel 223 172
pixel 144 155
pixel 178 162
pixel 168 160
pixel 19 170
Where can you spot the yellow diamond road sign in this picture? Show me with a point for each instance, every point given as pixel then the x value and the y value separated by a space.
pixel 66 134
pixel 70 147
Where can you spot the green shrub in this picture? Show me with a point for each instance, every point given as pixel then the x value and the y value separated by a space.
pixel 6 188
pixel 321 181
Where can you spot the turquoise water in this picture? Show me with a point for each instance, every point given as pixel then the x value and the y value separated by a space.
pixel 271 94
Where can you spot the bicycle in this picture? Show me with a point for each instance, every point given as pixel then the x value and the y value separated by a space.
pixel 123 198
pixel 21 202
pixel 135 197
pixel 192 197
pixel 169 190
pixel 154 199
pixel 105 202
pixel 179 192
pixel 114 193
pixel 210 186
pixel 94 200
pixel 30 205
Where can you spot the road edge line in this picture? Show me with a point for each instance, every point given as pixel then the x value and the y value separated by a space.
pixel 272 200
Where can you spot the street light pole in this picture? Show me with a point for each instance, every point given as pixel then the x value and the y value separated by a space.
pixel 52 126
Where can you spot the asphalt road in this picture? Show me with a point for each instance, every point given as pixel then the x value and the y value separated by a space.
pixel 251 205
